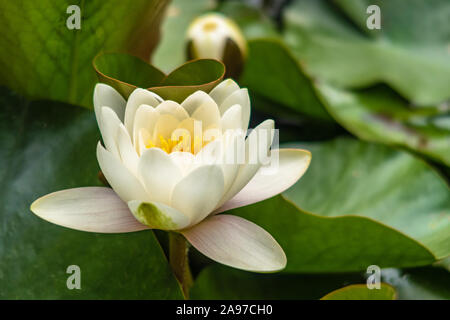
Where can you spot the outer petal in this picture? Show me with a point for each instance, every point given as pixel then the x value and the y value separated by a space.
pixel 158 215
pixel 124 183
pixel 249 169
pixel 110 130
pixel 136 98
pixel 241 98
pixel 292 165
pixel 223 90
pixel 127 152
pixel 159 174
pixel 94 209
pixel 107 96
pixel 237 242
pixel 198 193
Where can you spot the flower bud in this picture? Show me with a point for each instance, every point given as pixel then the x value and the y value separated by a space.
pixel 215 36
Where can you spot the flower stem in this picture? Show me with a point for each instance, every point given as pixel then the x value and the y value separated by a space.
pixel 178 257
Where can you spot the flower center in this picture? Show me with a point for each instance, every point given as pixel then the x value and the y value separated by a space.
pixel 182 144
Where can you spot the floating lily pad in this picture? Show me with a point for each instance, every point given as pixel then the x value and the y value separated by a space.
pixel 43 58
pixel 220 282
pixel 359 204
pixel 378 114
pixel 125 73
pixel 48 146
pixel 410 52
pixel 272 72
pixel 361 292
pixel 224 283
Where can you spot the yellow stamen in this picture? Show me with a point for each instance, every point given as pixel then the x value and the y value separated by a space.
pixel 182 144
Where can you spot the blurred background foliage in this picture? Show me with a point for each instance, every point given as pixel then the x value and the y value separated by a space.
pixel 373 106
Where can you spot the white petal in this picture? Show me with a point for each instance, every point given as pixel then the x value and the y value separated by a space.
pixel 145 118
pixel 223 90
pixel 208 113
pixel 241 98
pixel 110 130
pixel 212 153
pixel 230 160
pixel 238 243
pixel 143 138
pixel 164 127
pixel 292 164
pixel 253 152
pixel 93 209
pixel 195 100
pixel 173 108
pixel 137 98
pixel 159 174
pixel 107 96
pixel 209 46
pixel 158 215
pixel 184 161
pixel 198 193
pixel 232 118
pixel 127 151
pixel 124 183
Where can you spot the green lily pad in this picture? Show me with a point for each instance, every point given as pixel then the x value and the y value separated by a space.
pixel 378 114
pixel 224 283
pixel 410 52
pixel 361 292
pixel 272 72
pixel 252 20
pixel 171 50
pixel 42 58
pixel 359 204
pixel 49 146
pixel 125 73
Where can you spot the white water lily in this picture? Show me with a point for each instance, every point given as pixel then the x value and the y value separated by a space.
pixel 159 182
pixel 210 33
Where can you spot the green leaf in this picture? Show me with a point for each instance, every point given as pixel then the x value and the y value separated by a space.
pixel 48 146
pixel 409 52
pixel 361 292
pixel 125 73
pixel 272 72
pixel 359 204
pixel 171 51
pixel 42 58
pixel 379 115
pixel 224 283
pixel 252 21
pixel 220 282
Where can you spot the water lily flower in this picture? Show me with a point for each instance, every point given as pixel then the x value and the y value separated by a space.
pixel 161 182
pixel 214 36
